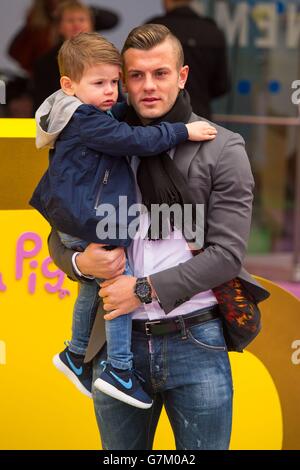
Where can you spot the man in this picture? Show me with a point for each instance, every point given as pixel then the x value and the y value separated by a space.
pixel 177 339
pixel 204 50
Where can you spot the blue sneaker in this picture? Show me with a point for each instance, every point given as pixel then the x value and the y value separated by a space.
pixel 76 370
pixel 123 385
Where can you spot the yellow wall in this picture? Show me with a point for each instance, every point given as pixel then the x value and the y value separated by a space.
pixel 21 165
pixel 39 408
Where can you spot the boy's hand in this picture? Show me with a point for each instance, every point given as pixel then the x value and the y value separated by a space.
pixel 98 262
pixel 201 130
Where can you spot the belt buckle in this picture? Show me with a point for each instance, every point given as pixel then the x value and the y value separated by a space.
pixel 148 324
pixel 180 325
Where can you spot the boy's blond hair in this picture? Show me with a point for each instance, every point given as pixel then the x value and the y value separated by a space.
pixel 83 51
pixel 147 36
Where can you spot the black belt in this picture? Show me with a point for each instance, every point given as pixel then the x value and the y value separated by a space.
pixel 176 324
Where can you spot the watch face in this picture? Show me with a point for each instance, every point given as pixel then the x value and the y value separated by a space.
pixel 143 290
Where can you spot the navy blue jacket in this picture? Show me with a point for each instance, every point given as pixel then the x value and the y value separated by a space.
pixel 88 168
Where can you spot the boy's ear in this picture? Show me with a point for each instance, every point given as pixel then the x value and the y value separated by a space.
pixel 67 86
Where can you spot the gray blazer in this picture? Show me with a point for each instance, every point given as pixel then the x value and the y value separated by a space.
pixel 219 176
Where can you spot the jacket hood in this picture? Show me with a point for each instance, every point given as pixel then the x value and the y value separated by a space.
pixel 52 117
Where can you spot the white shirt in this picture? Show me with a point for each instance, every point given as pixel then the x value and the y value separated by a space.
pixel 148 257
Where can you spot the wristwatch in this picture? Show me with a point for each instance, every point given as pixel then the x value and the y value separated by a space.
pixel 143 290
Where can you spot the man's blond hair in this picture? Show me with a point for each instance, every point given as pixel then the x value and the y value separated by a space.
pixel 83 51
pixel 150 35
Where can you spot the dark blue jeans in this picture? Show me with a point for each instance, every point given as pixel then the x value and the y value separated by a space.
pixel 191 377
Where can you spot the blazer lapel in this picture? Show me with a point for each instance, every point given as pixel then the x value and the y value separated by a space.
pixel 184 155
pixel 186 151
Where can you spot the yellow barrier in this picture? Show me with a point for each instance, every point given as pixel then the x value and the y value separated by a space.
pixel 39 408
pixel 21 165
pixel 278 348
pixel 17 128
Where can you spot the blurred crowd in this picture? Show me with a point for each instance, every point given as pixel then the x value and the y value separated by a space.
pixel 35 47
pixel 49 22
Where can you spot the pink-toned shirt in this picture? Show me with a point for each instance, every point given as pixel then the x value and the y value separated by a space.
pixel 147 257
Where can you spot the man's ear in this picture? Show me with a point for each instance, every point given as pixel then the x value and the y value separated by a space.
pixel 67 86
pixel 183 75
pixel 124 87
pixel 125 92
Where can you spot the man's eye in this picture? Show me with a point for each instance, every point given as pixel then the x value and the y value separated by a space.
pixel 99 83
pixel 135 75
pixel 161 73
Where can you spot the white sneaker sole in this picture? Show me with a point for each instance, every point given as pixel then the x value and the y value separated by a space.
pixel 110 390
pixel 70 375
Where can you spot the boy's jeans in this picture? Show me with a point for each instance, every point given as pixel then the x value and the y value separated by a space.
pixel 118 330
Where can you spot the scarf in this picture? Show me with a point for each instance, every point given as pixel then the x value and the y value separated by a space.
pixel 159 180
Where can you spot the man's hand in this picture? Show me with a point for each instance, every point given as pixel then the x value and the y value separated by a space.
pixel 118 296
pixel 98 262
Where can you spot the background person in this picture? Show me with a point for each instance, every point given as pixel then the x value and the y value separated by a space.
pixel 40 32
pixel 36 45
pixel 72 18
pixel 204 49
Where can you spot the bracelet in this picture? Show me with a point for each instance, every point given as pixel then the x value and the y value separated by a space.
pixel 75 267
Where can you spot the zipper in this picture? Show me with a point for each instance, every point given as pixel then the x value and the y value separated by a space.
pixel 103 182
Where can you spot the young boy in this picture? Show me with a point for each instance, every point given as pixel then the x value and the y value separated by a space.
pixel 88 168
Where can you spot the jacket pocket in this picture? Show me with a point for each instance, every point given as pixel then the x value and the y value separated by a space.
pixel 102 184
